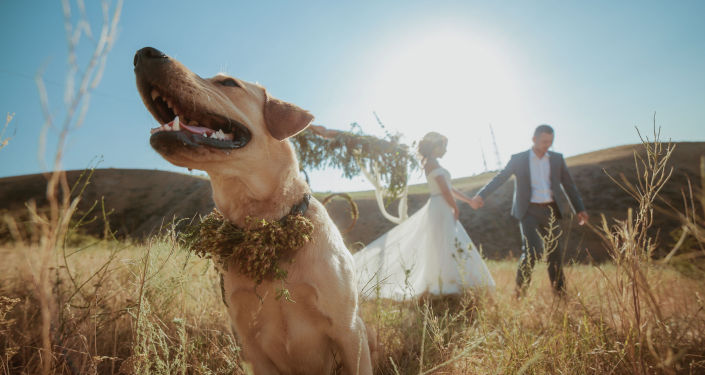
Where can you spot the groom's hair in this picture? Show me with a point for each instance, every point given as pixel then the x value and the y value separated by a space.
pixel 543 128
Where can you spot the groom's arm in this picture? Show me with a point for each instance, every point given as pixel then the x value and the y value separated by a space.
pixel 498 180
pixel 570 188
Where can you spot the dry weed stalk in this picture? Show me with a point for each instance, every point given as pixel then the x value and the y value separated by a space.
pixel 53 227
pixel 9 348
pixel 634 306
pixel 692 219
pixel 5 141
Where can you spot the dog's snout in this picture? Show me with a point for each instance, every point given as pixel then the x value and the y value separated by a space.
pixel 148 53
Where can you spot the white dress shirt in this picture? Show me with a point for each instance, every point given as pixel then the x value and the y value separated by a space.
pixel 540 170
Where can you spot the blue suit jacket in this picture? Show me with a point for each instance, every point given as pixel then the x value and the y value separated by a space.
pixel 561 183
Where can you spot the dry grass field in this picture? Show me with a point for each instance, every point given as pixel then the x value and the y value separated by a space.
pixel 95 278
pixel 77 304
pixel 154 309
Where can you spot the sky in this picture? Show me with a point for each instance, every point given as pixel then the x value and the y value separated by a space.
pixel 593 70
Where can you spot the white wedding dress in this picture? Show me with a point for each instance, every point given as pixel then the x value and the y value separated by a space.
pixel 430 252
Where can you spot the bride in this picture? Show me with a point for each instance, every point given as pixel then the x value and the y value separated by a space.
pixel 430 252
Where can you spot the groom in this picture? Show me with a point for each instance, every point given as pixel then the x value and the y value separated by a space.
pixel 540 175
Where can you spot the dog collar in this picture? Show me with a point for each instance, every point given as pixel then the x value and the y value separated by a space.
pixel 301 207
pixel 257 251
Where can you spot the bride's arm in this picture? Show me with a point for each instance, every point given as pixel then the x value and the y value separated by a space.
pixel 448 195
pixel 460 195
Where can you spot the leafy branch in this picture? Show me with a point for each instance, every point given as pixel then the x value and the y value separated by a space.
pixel 320 148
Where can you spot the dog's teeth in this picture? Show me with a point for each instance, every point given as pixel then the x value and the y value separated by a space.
pixel 167 127
pixel 154 94
pixel 176 124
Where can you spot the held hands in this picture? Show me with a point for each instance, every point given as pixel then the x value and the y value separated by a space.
pixel 476 202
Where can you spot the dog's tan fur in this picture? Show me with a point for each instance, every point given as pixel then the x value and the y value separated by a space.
pixel 262 180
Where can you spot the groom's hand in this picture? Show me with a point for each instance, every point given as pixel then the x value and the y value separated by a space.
pixel 583 217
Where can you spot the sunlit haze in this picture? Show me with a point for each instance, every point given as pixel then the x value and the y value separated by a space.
pixel 593 70
pixel 448 80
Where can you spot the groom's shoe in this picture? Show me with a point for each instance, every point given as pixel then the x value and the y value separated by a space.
pixel 519 292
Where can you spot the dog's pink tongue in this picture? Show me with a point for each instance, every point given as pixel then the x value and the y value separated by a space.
pixel 195 129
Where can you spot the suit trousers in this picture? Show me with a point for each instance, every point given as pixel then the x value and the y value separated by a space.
pixel 537 238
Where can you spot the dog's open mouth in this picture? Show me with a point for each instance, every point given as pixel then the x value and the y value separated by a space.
pixel 194 128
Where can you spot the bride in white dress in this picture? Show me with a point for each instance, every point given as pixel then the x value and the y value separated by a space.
pixel 430 252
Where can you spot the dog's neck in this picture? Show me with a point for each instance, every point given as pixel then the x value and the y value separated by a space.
pixel 242 196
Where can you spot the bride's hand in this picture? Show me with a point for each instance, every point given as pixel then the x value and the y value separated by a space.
pixel 476 202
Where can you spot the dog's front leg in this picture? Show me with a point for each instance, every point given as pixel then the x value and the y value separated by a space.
pixel 353 344
pixel 252 351
pixel 258 361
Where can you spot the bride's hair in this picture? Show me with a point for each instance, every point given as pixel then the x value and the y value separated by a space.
pixel 428 143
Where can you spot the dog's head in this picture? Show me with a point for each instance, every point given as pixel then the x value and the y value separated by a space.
pixel 219 124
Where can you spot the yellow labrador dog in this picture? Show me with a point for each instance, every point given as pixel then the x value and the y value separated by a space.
pixel 237 133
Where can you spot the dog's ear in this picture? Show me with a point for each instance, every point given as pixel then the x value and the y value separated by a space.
pixel 284 119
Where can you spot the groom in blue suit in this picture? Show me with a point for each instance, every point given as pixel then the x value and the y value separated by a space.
pixel 539 176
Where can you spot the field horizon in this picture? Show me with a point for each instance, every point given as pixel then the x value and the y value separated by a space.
pixel 141 202
pixel 107 304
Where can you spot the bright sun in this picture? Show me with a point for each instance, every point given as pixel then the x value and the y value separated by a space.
pixel 447 81
pixel 446 77
pixel 450 80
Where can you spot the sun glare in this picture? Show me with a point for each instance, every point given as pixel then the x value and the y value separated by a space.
pixel 447 81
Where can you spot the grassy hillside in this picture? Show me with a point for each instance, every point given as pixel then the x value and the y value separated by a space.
pixel 498 233
pixel 141 201
pixel 138 201
pixel 117 306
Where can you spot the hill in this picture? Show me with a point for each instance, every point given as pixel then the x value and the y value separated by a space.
pixel 140 201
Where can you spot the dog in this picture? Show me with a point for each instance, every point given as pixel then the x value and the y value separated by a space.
pixel 237 133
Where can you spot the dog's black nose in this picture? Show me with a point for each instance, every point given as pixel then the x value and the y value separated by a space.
pixel 148 53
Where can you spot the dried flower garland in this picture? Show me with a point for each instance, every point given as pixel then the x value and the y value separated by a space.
pixel 393 159
pixel 257 251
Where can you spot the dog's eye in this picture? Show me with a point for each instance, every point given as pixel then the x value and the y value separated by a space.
pixel 229 82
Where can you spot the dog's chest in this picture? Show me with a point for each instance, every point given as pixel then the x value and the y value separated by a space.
pixel 290 333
